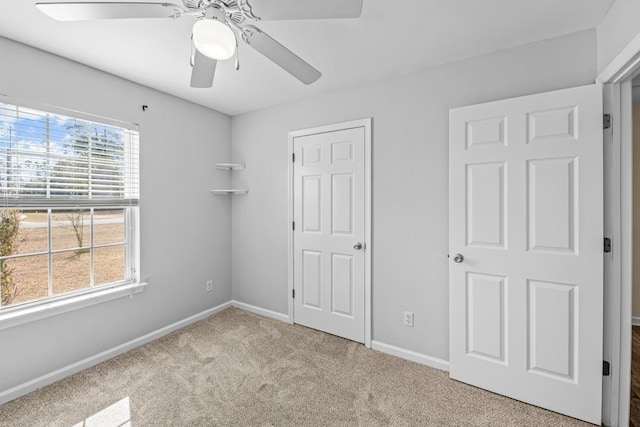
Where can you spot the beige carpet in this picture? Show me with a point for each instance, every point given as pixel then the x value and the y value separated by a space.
pixel 240 369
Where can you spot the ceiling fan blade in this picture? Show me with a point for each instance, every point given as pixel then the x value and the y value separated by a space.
pixel 289 61
pixel 67 11
pixel 305 9
pixel 204 68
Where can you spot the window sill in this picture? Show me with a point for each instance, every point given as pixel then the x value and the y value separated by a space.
pixel 20 316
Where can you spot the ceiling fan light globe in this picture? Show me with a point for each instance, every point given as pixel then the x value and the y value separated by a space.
pixel 214 39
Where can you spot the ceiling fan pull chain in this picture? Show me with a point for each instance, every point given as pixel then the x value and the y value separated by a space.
pixel 239 31
pixel 237 56
pixel 192 56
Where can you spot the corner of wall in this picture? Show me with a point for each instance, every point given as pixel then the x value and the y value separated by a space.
pixel 618 28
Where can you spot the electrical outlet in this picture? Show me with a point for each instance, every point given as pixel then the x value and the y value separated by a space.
pixel 408 318
pixel 209 285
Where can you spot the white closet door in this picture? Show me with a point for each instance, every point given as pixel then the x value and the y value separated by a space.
pixel 329 213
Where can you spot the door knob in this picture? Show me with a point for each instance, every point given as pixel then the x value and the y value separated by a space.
pixel 358 246
pixel 458 258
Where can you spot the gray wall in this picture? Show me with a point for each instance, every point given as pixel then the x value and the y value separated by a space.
pixel 617 29
pixel 410 179
pixel 185 231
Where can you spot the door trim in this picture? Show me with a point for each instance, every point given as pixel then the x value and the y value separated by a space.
pixel 366 124
pixel 618 168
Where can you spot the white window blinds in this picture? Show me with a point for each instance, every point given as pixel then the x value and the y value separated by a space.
pixel 58 157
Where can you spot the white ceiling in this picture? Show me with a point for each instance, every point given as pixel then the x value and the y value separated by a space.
pixel 392 37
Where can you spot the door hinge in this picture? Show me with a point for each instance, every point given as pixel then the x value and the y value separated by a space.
pixel 293 226
pixel 293 293
pixel 607 245
pixel 606 121
pixel 606 368
pixel 293 157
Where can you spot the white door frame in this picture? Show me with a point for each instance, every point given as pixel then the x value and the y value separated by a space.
pixel 366 124
pixel 618 168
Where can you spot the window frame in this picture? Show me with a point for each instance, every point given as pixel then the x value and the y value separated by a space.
pixel 20 313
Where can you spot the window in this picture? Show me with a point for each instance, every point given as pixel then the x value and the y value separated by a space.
pixel 68 203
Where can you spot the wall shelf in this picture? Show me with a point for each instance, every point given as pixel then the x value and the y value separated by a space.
pixel 231 166
pixel 229 191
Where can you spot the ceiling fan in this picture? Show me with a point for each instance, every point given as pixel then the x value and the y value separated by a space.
pixel 219 24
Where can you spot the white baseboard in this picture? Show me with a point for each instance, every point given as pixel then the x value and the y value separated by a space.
pixel 413 356
pixel 402 353
pixel 635 321
pixel 57 375
pixel 261 311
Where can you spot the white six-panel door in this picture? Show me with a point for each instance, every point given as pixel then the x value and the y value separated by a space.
pixel 526 214
pixel 329 216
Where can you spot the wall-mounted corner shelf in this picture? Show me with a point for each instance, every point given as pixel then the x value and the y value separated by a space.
pixel 229 191
pixel 231 166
